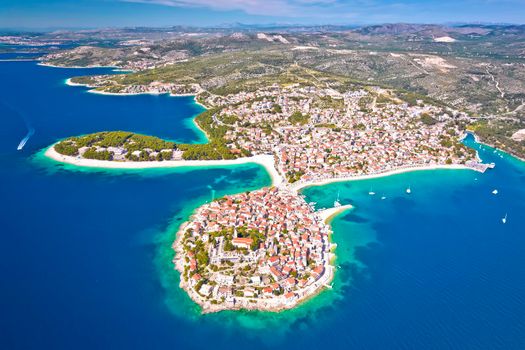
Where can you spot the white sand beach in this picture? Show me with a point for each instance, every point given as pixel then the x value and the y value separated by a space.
pixel 301 185
pixel 70 83
pixel 327 214
pixel 154 93
pixel 98 92
pixel 267 161
pixel 43 64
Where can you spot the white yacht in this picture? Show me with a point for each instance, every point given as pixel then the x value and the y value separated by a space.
pixel 504 219
pixel 337 204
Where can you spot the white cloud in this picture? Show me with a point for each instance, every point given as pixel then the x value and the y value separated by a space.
pixel 284 8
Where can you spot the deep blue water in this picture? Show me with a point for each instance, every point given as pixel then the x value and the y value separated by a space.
pixel 37 96
pixel 18 55
pixel 84 255
pixel 441 270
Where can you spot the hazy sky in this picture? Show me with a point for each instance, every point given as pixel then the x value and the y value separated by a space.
pixel 104 13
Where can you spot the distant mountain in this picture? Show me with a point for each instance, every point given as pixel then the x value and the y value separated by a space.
pixel 399 28
pixel 436 30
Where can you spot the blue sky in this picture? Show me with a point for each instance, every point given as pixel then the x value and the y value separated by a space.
pixel 117 13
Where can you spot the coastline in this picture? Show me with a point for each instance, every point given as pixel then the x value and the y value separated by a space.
pixel 268 162
pixel 92 90
pixel 18 60
pixel 326 215
pixel 301 185
pixel 40 63
pixel 478 140
pixel 264 160
pixel 68 82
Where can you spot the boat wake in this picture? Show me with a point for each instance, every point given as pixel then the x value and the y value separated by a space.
pixel 30 129
pixel 23 142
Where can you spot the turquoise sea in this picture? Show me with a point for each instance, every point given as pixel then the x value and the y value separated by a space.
pixel 85 254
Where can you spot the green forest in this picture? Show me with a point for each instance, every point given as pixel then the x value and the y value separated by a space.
pixel 98 144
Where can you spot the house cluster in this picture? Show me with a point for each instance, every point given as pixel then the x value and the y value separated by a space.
pixel 161 88
pixel 28 41
pixel 355 133
pixel 319 153
pixel 143 57
pixel 107 83
pixel 266 248
pixel 146 154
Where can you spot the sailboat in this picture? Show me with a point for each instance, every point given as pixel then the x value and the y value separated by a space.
pixel 504 219
pixel 337 204
pixel 372 193
pixel 408 190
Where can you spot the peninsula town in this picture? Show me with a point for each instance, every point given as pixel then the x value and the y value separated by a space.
pixel 269 249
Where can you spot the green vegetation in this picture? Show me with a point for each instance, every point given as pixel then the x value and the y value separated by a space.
pixel 217 147
pixel 208 151
pixel 326 125
pixel 256 236
pixel 85 80
pixel 413 98
pixel 145 148
pixel 499 133
pixel 364 102
pixel 67 148
pixel 92 153
pixel 329 102
pixel 98 146
pixel 427 119
pixel 294 176
pixel 299 118
pixel 360 126
pixel 383 98
pixel 201 254
pixel 132 142
pixel 229 119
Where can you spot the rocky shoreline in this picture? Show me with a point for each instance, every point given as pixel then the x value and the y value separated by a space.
pixel 275 304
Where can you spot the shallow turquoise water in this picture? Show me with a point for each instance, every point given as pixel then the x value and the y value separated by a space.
pixel 86 260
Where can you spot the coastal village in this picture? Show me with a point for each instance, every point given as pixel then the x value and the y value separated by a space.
pixel 321 134
pixel 269 249
pixel 264 250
